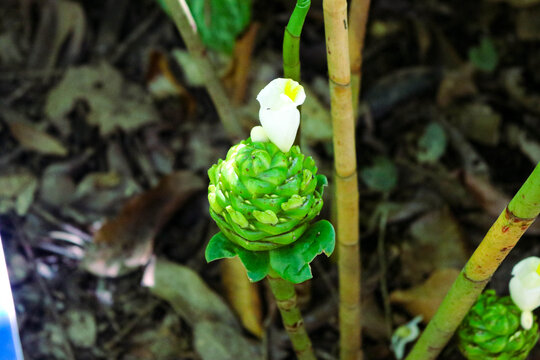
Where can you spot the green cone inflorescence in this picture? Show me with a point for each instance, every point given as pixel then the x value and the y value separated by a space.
pixel 263 198
pixel 492 330
pixel 264 201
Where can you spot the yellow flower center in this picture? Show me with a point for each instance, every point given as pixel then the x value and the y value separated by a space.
pixel 292 88
pixel 538 269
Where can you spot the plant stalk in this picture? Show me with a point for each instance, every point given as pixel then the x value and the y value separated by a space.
pixel 291 40
pixel 499 240
pixel 285 295
pixel 346 199
pixel 358 16
pixel 188 30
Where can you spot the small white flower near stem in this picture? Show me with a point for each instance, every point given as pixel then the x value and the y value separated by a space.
pixel 279 115
pixel 525 288
pixel 404 335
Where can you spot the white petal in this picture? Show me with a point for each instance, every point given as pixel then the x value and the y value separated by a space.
pixel 267 96
pixel 526 265
pixel 300 97
pixel 258 134
pixel 527 299
pixel 281 125
pixel 270 93
pixel 526 320
pixel 530 280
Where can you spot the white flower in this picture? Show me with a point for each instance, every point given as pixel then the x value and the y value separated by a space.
pixel 525 288
pixel 258 134
pixel 279 115
pixel 404 335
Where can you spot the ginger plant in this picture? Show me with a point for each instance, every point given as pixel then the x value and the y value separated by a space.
pixel 500 239
pixel 263 197
pixel 504 328
pixel 492 330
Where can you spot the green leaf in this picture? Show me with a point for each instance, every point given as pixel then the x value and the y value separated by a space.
pixel 255 262
pixel 219 247
pixel 432 144
pixel 484 56
pixel 220 21
pixel 381 176
pixel 292 262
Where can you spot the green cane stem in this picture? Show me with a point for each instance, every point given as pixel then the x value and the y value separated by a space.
pixel 285 295
pixel 291 47
pixel 345 179
pixel 500 239
pixel 291 40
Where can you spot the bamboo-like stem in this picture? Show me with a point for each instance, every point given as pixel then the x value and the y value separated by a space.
pixel 188 30
pixel 358 15
pixel 285 295
pixel 291 40
pixel 337 48
pixel 499 240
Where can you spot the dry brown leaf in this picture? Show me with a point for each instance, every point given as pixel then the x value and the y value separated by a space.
pixel 438 234
pixel 113 102
pixel 31 138
pixel 425 299
pixel 162 83
pixel 237 79
pixel 456 83
pixel 29 135
pixel 187 293
pixel 125 243
pixel 478 121
pixel 242 294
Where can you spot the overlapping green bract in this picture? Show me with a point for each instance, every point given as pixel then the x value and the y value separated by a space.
pixel 492 330
pixel 263 199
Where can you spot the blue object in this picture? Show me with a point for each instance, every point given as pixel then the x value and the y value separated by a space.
pixel 10 343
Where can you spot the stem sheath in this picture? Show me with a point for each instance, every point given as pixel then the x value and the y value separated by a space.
pixel 292 318
pixel 291 40
pixel 337 49
pixel 499 240
pixel 188 30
